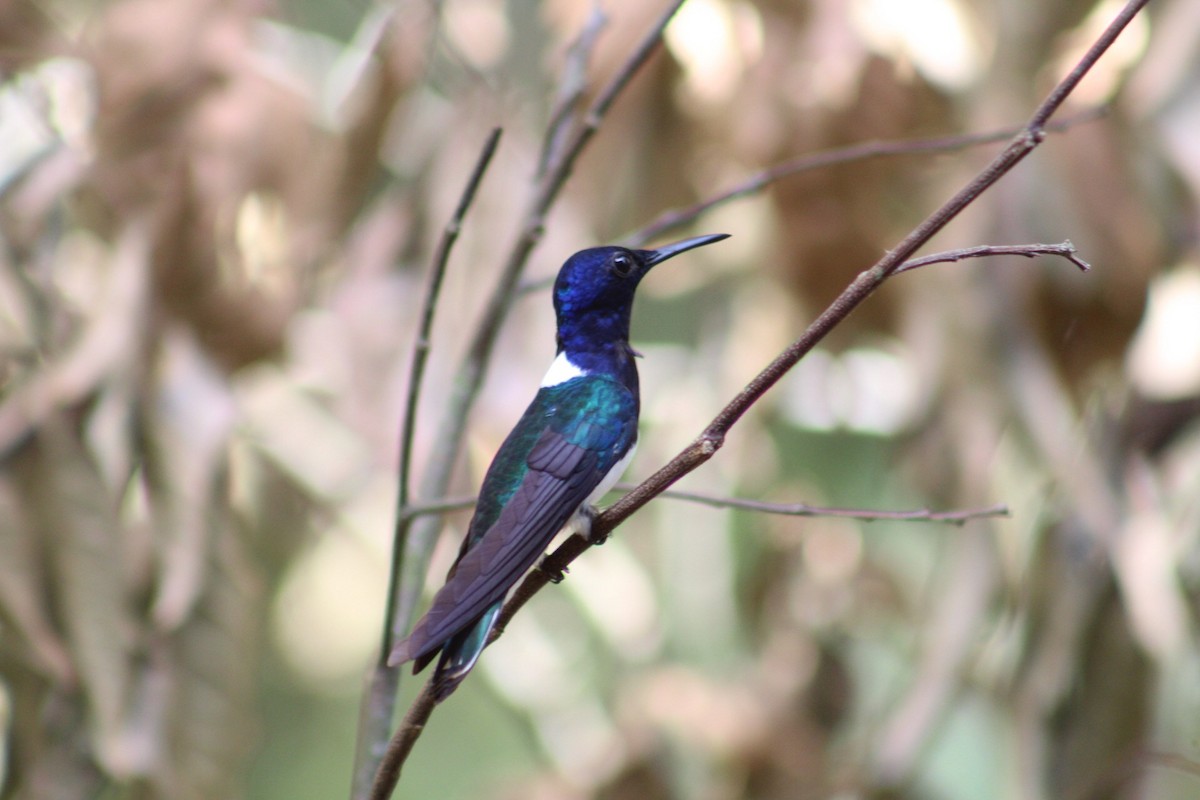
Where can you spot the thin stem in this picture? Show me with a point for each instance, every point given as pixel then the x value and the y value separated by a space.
pixel 837 156
pixel 865 515
pixel 420 357
pixel 1063 250
pixel 571 87
pixel 677 218
pixel 414 510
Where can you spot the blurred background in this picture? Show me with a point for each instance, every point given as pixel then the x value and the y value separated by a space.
pixel 216 217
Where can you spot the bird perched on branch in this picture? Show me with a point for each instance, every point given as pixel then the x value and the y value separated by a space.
pixel 566 451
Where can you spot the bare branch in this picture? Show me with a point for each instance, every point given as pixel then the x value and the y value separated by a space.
pixel 1064 250
pixel 571 87
pixel 401 744
pixel 835 157
pixel 866 515
pixel 414 510
pixel 677 218
pixel 420 356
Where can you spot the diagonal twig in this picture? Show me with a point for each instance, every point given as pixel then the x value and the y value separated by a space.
pixel 837 156
pixel 866 515
pixel 1063 250
pixel 570 88
pixel 421 342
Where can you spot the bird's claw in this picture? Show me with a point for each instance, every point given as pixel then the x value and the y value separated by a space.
pixel 553 575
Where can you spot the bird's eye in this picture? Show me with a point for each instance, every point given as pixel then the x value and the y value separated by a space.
pixel 622 264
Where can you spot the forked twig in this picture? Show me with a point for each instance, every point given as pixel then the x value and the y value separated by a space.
pixel 1063 250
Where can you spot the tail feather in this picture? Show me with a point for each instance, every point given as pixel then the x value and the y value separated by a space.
pixel 461 652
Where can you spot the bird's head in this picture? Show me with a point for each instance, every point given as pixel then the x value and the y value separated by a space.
pixel 600 281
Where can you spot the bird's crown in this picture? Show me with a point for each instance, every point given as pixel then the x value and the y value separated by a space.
pixel 600 279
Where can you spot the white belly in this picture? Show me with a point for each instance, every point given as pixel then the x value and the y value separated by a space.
pixel 610 480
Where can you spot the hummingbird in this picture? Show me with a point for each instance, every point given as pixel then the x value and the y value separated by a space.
pixel 566 451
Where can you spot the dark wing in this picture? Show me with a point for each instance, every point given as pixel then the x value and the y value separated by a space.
pixel 560 477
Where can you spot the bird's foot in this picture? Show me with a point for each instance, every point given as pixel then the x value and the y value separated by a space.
pixel 552 574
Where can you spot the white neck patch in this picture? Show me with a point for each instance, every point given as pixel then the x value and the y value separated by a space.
pixel 561 371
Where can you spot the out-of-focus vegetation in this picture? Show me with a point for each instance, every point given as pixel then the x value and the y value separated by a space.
pixel 216 216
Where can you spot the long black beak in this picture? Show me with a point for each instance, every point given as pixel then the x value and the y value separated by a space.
pixel 661 254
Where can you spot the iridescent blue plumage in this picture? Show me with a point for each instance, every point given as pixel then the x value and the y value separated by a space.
pixel 567 449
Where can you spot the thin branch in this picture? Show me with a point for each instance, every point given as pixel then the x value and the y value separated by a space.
pixel 420 354
pixel 677 218
pixel 866 515
pixel 1063 250
pixel 401 744
pixel 379 703
pixel 571 87
pixel 414 510
pixel 838 156
pixel 713 437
